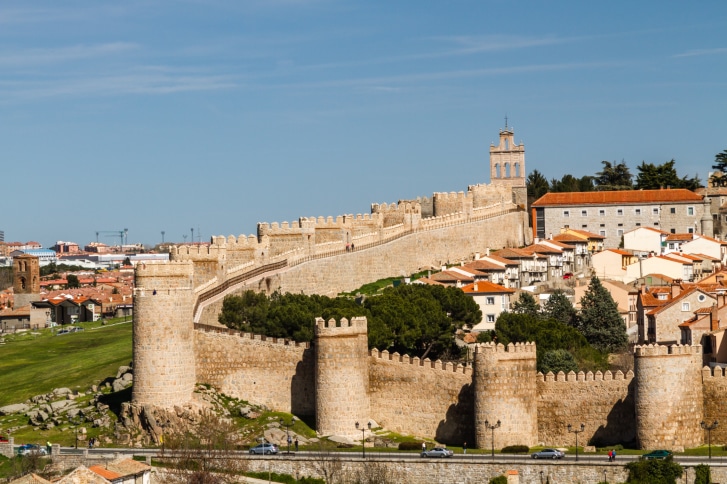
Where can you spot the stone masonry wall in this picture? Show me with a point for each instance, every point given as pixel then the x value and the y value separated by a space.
pixel 715 394
pixel 604 403
pixel 426 398
pixel 273 372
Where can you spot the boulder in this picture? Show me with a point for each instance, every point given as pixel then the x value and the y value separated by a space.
pixel 119 385
pixel 16 408
pixel 62 392
pixel 127 377
pixel 122 370
pixel 60 405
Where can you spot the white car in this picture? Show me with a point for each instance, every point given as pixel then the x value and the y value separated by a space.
pixel 548 454
pixel 437 452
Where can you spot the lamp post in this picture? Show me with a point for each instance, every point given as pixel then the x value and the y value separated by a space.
pixel 363 437
pixel 492 427
pixel 604 476
pixel 576 431
pixel 541 477
pixel 287 430
pixel 709 428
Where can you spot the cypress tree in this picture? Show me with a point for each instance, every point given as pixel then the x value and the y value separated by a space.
pixel 600 321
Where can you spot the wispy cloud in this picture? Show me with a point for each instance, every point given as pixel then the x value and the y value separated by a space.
pixel 699 52
pixel 58 55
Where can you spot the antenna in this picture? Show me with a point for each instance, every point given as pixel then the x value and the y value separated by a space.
pixel 162 237
pixel 192 239
pixel 506 121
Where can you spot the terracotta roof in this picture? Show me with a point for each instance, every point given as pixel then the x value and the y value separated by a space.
pixel 484 265
pixel 587 234
pixel 661 276
pixel 450 276
pixel 678 237
pixel 617 197
pixel 620 252
pixel 542 249
pixel 515 254
pixel 671 259
pixel 426 280
pixel 568 238
pixel 30 479
pixel 706 257
pixel 486 287
pixel 711 239
pixel 125 466
pixel 502 260
pixel 650 301
pixel 676 300
pixel 105 473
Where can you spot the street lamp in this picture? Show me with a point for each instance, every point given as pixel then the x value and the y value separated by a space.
pixel 492 427
pixel 709 429
pixel 363 437
pixel 576 431
pixel 287 429
pixel 604 476
pixel 541 477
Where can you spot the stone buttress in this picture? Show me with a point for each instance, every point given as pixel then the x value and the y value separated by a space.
pixel 342 376
pixel 164 357
pixel 505 390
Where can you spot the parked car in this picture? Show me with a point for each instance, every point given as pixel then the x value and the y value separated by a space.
pixel 3 439
pixel 266 448
pixel 656 454
pixel 437 452
pixel 548 454
pixel 27 449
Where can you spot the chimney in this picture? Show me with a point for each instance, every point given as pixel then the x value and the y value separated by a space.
pixel 714 318
pixel 477 256
pixel 676 288
pixel 487 252
pixel 475 287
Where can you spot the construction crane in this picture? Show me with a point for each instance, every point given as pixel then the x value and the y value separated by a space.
pixel 123 235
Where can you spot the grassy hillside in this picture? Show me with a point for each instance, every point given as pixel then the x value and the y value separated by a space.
pixel 36 362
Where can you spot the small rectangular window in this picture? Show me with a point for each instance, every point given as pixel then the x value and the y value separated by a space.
pixel 620 211
pixel 620 225
pixel 637 211
pixel 620 232
pixel 566 213
pixel 490 318
pixel 602 213
pixel 655 211
pixel 656 224
pixel 490 300
pixel 685 306
pixel 690 210
pixel 584 226
pixel 638 224
pixel 690 230
pixel 602 233
pixel 673 231
pixel 602 225
pixel 584 213
pixel 673 210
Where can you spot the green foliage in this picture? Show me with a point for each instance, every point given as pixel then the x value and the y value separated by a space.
pixel 702 474
pixel 569 183
pixel 6 277
pixel 498 480
pixel 526 304
pixel 284 478
pixel 654 471
pixel 54 268
pixel 537 185
pixel 652 177
pixel 515 449
pixel 559 307
pixel 486 336
pixel 614 177
pixel 720 164
pixel 410 445
pixel 558 360
pixel 72 281
pixel 600 321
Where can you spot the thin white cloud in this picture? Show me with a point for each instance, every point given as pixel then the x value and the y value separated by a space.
pixel 700 52
pixel 59 55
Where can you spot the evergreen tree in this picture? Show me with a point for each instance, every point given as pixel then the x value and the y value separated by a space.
pixel 526 304
pixel 537 185
pixel 653 177
pixel 614 177
pixel 559 307
pixel 600 321
pixel 720 164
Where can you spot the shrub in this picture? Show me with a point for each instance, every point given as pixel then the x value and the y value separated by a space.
pixel 410 445
pixel 515 449
pixel 702 474
pixel 498 480
pixel 654 471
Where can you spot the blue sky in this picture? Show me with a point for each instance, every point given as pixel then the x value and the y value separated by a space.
pixel 216 115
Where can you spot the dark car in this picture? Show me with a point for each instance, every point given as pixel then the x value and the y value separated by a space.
pixel 657 454
pixel 437 452
pixel 548 454
pixel 266 448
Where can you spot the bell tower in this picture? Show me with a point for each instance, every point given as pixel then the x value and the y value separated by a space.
pixel 507 160
pixel 26 280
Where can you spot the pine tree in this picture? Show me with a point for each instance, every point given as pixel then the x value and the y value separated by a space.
pixel 526 304
pixel 600 321
pixel 558 307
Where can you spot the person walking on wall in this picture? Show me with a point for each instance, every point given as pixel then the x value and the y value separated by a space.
pixel 613 454
pixel 464 448
pixel 296 444
pixel 424 446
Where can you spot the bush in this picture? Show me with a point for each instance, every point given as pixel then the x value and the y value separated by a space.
pixel 498 480
pixel 515 449
pixel 654 471
pixel 410 445
pixel 702 474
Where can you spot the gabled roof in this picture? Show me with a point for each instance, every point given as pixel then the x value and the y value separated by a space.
pixel 569 238
pixel 675 300
pixel 679 237
pixel 30 479
pixel 486 287
pixel 484 266
pixel 671 259
pixel 450 276
pixel 542 249
pixel 502 260
pixel 651 229
pixel 515 254
pixel 621 197
pixel 620 252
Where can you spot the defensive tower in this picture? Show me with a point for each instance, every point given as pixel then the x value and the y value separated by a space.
pixel 26 280
pixel 164 370
pixel 342 376
pixel 668 396
pixel 506 391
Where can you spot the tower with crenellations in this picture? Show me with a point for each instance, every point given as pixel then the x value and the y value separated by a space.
pixel 163 341
pixel 26 280
pixel 669 401
pixel 341 375
pixel 505 391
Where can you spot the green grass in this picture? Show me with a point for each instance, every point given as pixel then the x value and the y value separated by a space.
pixel 37 362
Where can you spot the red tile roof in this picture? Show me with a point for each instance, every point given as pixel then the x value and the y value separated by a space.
pixel 486 287
pixel 617 197
pixel 680 237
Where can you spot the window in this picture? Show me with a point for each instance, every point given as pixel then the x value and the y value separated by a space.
pixel 673 231
pixel 602 213
pixel 656 224
pixel 701 298
pixel 685 306
pixel 602 225
pixel 566 213
pixel 671 245
pixel 655 211
pixel 490 318
pixel 584 226
pixel 489 300
pixel 602 233
pixel 673 210
pixel 620 225
pixel 620 232
pixel 584 213
pixel 620 211
pixel 638 224
pixel 637 211
pixel 690 230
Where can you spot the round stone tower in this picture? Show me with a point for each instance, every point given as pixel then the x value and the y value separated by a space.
pixel 505 391
pixel 668 396
pixel 164 360
pixel 342 376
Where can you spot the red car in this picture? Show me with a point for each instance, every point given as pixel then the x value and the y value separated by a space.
pixel 3 439
pixel 567 275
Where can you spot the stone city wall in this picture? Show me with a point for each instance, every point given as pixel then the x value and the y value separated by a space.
pixel 714 383
pixel 273 372
pixel 604 403
pixel 417 397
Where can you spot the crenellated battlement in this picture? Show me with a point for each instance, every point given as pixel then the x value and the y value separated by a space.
pixel 425 364
pixel 400 207
pixel 501 350
pixel 585 377
pixel 269 340
pixel 344 327
pixel 664 350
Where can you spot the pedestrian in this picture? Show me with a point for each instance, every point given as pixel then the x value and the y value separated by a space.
pixel 610 456
pixel 424 446
pixel 464 448
pixel 613 454
pixel 351 246
pixel 296 444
